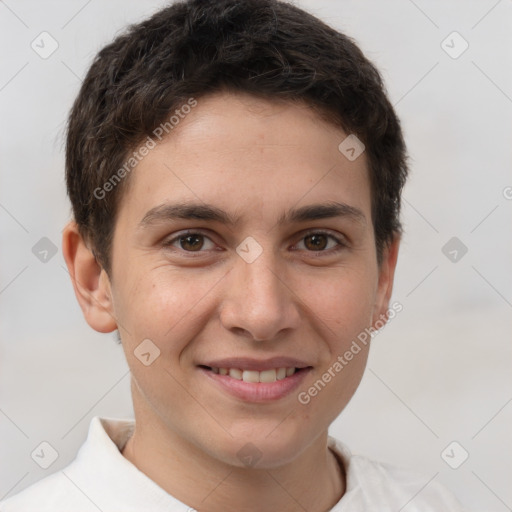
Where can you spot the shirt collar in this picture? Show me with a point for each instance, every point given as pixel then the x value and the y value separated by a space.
pixel 100 464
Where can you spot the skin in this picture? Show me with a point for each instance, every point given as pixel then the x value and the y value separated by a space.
pixel 254 159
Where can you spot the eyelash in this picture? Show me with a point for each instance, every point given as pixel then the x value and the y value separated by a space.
pixel 341 244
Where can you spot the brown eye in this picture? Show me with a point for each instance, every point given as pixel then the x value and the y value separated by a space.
pixel 320 242
pixel 316 242
pixel 191 242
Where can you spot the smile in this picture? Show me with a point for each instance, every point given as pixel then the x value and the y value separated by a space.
pixel 252 385
pixel 255 376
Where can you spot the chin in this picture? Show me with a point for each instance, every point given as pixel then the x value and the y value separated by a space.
pixel 264 448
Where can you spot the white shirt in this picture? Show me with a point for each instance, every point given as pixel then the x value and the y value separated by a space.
pixel 100 478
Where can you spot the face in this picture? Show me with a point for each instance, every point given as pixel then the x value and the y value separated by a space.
pixel 244 245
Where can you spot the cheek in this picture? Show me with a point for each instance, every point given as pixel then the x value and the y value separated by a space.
pixel 343 300
pixel 345 310
pixel 164 306
pixel 343 306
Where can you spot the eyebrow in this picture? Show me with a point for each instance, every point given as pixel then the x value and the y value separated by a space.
pixel 211 213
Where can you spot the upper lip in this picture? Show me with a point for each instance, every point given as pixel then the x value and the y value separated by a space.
pixel 247 363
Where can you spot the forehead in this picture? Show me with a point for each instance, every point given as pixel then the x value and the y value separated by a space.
pixel 248 156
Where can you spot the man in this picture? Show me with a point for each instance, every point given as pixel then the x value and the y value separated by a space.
pixel 235 171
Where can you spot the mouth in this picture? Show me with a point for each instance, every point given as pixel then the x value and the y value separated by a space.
pixel 255 376
pixel 245 381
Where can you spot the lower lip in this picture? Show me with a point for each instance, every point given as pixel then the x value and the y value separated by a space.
pixel 259 391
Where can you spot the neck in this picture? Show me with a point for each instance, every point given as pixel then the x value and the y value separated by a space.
pixel 313 481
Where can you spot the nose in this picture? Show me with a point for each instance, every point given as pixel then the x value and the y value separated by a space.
pixel 259 303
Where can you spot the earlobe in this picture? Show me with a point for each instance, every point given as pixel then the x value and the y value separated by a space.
pixel 90 281
pixel 385 283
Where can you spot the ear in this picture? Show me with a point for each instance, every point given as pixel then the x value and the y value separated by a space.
pixel 90 281
pixel 385 283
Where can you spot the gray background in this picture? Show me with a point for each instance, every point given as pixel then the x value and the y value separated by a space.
pixel 439 372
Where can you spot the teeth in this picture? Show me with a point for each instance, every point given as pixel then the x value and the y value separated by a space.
pixel 268 376
pixel 235 373
pixel 255 376
pixel 250 376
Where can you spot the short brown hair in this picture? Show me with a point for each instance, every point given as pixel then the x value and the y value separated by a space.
pixel 267 48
